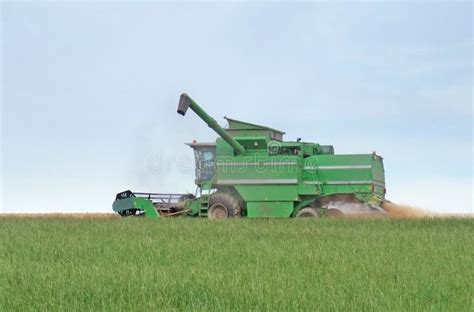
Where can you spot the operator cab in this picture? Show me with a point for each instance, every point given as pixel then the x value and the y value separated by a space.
pixel 205 159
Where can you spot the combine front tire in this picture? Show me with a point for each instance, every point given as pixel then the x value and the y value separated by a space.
pixel 223 206
pixel 307 212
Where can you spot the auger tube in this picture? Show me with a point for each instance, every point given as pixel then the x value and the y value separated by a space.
pixel 186 102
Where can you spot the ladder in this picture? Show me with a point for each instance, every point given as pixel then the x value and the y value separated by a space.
pixel 205 194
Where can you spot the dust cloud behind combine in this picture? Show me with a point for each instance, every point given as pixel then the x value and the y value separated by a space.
pixel 397 211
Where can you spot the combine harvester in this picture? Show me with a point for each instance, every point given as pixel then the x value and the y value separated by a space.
pixel 251 172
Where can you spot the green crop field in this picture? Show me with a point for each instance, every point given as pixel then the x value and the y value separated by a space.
pixel 269 265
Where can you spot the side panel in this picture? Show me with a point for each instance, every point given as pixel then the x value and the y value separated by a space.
pixel 268 192
pixel 260 177
pixel 269 209
pixel 361 174
pixel 136 203
pixel 123 204
pixel 378 176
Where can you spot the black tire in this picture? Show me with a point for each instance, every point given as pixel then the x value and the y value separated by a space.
pixel 222 206
pixel 307 212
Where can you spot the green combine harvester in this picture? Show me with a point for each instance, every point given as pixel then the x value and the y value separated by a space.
pixel 249 171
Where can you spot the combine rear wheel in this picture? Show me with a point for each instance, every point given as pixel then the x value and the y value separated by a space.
pixel 223 206
pixel 342 205
pixel 307 212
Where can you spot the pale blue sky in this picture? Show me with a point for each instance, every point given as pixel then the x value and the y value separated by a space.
pixel 89 92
